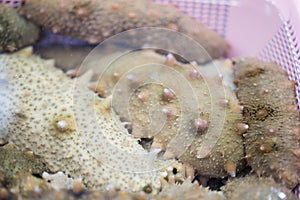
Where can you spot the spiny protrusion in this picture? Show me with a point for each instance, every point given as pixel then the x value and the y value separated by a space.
pixel 230 167
pixel 168 94
pixel 224 103
pixel 266 148
pixel 242 128
pixel 133 79
pixel 143 96
pixel 78 187
pixel 271 131
pixel 96 87
pixel 72 73
pixel 194 74
pixel 82 12
pixel 169 113
pixel 61 125
pixel 116 76
pixel 170 60
pixel 201 125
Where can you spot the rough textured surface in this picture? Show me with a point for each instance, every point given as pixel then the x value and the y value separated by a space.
pixel 39 113
pixel 16 165
pixel 128 78
pixel 186 190
pixel 254 188
pixel 272 141
pixel 94 21
pixel 15 31
pixel 189 191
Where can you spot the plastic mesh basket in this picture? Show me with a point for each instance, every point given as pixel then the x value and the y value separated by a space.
pixel 261 28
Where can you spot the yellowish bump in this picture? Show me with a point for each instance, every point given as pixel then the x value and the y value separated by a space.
pixel 230 168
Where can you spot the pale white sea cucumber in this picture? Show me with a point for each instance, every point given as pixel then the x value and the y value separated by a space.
pixel 70 127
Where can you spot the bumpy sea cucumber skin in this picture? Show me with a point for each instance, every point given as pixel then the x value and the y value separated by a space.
pixel 15 31
pixel 86 195
pixel 189 191
pixel 43 118
pixel 95 20
pixel 186 190
pixel 254 188
pixel 16 164
pixel 227 154
pixel 273 138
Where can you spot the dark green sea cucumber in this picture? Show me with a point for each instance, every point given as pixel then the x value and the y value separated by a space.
pixel 15 31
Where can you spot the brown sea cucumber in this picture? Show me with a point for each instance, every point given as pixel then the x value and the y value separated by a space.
pixel 273 137
pixel 70 128
pixel 95 20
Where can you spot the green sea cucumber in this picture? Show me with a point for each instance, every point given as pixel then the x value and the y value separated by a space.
pixel 16 165
pixel 15 31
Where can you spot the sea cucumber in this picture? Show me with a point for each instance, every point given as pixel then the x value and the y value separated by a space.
pixel 185 190
pixel 16 164
pixel 188 190
pixel 273 137
pixel 94 21
pixel 254 188
pixel 15 31
pixel 218 116
pixel 70 128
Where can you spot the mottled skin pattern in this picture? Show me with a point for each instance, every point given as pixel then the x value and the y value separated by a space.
pixel 15 31
pixel 16 164
pixel 272 141
pixel 226 156
pixel 39 114
pixel 254 188
pixel 95 20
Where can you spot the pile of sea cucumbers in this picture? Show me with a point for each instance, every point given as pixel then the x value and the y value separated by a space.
pixel 154 125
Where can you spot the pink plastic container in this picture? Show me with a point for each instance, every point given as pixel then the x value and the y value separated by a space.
pixel 262 28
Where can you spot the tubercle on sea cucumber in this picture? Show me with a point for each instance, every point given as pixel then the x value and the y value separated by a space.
pixel 142 95
pixel 255 188
pixel 270 110
pixel 49 130
pixel 94 21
